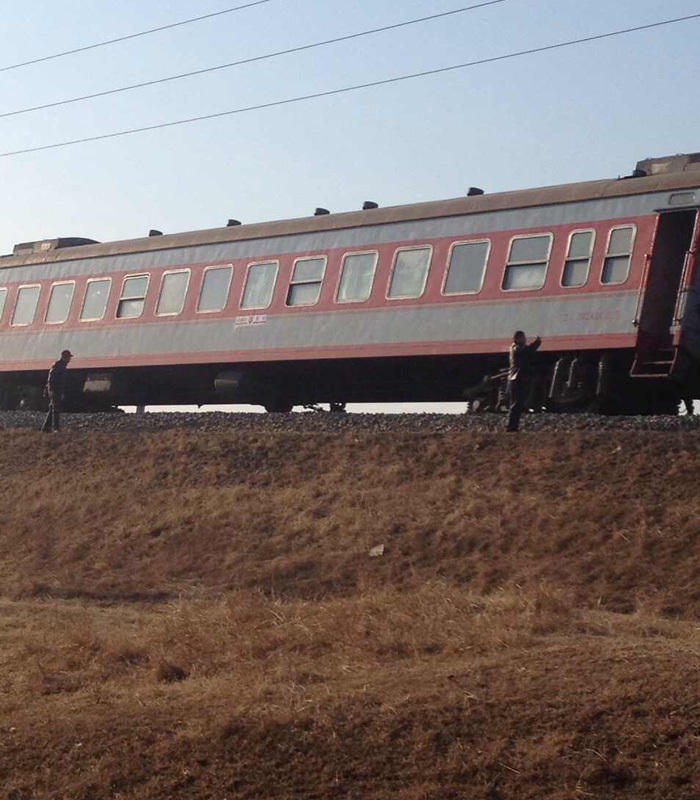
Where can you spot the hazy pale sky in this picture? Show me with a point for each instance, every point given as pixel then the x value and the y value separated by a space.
pixel 573 114
pixel 578 113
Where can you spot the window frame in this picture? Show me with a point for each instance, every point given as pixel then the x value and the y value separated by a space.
pixel 395 258
pixel 227 296
pixel 186 270
pixel 274 261
pixel 36 307
pixel 567 258
pixel 321 257
pixel 5 289
pixel 121 297
pixel 48 302
pixel 507 264
pixel 607 255
pixel 483 270
pixel 374 253
pixel 81 318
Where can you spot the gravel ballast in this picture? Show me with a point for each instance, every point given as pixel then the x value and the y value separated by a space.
pixel 324 422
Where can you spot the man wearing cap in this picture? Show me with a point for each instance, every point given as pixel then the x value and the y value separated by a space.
pixel 55 384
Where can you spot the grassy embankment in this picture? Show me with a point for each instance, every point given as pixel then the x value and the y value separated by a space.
pixel 191 615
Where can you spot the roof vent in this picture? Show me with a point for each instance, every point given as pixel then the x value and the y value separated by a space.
pixel 154 232
pixel 637 173
pixel 232 223
pixel 473 191
pixel 319 212
pixel 369 204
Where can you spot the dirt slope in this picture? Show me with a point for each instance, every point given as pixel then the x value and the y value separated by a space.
pixel 188 615
pixel 615 516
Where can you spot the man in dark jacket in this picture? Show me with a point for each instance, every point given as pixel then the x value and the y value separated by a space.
pixel 519 376
pixel 55 385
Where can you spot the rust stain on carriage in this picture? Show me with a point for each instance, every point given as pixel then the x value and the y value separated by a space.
pixel 459 206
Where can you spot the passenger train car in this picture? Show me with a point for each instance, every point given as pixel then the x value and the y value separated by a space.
pixel 414 302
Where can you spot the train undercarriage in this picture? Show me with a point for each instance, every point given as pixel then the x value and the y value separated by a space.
pixel 570 382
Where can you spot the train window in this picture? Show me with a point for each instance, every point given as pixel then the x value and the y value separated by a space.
pixel 618 255
pixel 215 285
pixel 578 259
pixel 173 289
pixel 25 305
pixel 527 262
pixel 305 284
pixel 95 300
pixel 410 272
pixel 133 297
pixel 259 285
pixel 59 302
pixel 465 268
pixel 356 277
pixel 3 297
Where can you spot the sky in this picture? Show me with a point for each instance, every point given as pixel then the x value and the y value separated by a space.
pixel 579 113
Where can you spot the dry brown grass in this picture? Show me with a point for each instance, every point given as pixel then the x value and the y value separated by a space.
pixel 610 516
pixel 423 694
pixel 484 655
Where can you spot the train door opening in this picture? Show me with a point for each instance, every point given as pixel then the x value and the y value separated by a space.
pixel 674 235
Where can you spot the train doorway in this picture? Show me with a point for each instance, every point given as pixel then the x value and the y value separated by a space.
pixel 672 243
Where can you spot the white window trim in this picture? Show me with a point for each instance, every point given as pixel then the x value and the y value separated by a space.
pixel 607 255
pixel 395 258
pixel 121 297
pixel 523 263
pixel 81 318
pixel 274 283
pixel 4 302
pixel 199 310
pixel 568 258
pixel 184 296
pixel 374 253
pixel 19 288
pixel 483 270
pixel 48 304
pixel 292 282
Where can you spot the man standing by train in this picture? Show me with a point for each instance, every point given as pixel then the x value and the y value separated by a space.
pixel 55 385
pixel 519 377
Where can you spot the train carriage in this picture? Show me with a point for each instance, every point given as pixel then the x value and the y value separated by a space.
pixel 408 303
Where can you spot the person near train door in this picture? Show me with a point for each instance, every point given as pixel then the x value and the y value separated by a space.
pixel 519 377
pixel 55 386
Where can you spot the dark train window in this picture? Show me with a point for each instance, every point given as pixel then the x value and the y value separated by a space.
pixel 259 285
pixel 410 272
pixel 59 302
pixel 3 297
pixel 465 268
pixel 173 289
pixel 305 284
pixel 578 259
pixel 133 297
pixel 215 285
pixel 527 262
pixel 618 255
pixel 356 277
pixel 95 300
pixel 25 305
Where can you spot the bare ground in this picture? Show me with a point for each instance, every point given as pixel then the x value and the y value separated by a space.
pixel 196 615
